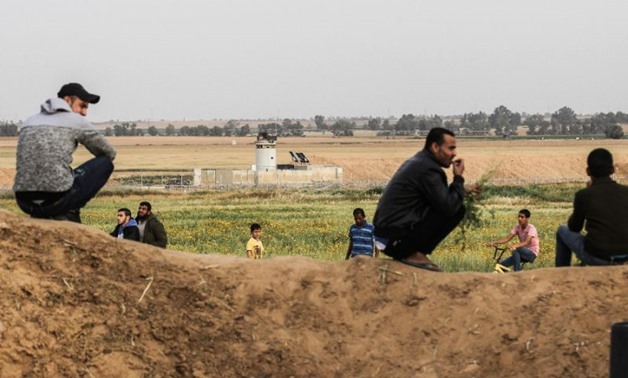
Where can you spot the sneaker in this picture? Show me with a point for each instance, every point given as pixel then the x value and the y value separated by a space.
pixel 499 268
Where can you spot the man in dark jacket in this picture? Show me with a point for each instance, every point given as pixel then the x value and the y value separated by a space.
pixel 602 206
pixel 45 185
pixel 126 227
pixel 418 209
pixel 152 231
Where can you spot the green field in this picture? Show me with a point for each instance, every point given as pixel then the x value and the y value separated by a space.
pixel 314 223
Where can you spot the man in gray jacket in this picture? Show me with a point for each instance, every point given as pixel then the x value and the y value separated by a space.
pixel 45 185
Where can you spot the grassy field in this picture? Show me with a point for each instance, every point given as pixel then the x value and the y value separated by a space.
pixel 315 223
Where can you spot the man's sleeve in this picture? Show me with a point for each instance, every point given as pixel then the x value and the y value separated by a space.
pixel 161 238
pixel 133 234
pixel 576 220
pixel 446 199
pixel 97 144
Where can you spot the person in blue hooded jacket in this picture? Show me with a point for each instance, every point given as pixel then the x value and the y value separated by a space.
pixel 46 186
pixel 126 227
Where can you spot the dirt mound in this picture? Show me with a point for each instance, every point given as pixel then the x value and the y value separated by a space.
pixel 77 302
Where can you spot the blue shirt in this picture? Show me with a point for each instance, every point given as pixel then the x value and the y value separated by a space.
pixel 361 239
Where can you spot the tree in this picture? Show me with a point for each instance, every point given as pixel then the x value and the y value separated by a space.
pixel 374 123
pixel 564 121
pixel 152 131
pixel 8 129
pixel 621 117
pixel 407 122
pixel 342 125
pixel 293 129
pixel 230 127
pixel 430 122
pixel 614 132
pixel 536 124
pixel 515 120
pixel 451 125
pixel 108 131
pixel 319 120
pixel 244 130
pixel 185 131
pixel 477 123
pixel 599 123
pixel 216 131
pixel 286 123
pixel 202 130
pixel 170 130
pixel 500 119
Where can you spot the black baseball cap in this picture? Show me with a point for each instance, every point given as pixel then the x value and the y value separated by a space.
pixel 76 89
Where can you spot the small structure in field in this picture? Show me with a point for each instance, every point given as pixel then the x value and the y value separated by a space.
pixel 267 172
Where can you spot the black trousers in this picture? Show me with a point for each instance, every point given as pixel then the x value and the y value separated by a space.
pixel 424 236
pixel 89 178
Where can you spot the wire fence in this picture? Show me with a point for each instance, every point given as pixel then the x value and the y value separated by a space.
pixel 184 180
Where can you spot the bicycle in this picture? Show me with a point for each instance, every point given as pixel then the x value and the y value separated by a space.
pixel 497 257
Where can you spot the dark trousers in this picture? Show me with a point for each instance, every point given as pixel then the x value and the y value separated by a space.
pixel 519 255
pixel 89 178
pixel 424 236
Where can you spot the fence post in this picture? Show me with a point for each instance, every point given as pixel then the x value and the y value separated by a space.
pixel 619 350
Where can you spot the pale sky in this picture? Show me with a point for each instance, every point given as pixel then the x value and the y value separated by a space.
pixel 247 59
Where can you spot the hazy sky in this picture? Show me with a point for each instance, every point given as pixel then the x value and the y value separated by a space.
pixel 205 59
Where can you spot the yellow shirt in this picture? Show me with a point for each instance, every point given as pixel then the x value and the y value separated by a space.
pixel 256 247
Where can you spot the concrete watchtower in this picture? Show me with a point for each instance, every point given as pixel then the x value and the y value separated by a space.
pixel 265 152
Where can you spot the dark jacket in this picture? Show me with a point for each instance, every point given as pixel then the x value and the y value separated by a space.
pixel 130 230
pixel 603 206
pixel 154 232
pixel 418 186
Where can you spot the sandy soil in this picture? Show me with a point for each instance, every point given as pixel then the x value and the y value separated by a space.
pixel 76 302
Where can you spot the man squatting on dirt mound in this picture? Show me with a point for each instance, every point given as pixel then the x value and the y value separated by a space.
pixel 417 209
pixel 45 184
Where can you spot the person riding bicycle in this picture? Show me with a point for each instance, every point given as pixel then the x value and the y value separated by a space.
pixel 528 247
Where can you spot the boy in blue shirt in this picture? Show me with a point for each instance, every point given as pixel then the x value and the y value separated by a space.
pixel 360 236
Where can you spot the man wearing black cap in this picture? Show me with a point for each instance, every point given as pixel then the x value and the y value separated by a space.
pixel 45 185
pixel 603 207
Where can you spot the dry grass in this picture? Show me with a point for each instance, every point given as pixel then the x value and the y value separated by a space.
pixel 362 158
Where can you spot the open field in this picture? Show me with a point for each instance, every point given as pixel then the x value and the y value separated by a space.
pixel 365 161
pixel 314 223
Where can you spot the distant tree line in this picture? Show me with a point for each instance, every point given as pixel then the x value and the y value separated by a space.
pixel 286 128
pixel 231 128
pixel 502 121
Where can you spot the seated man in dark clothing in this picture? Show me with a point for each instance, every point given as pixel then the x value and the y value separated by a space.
pixel 45 185
pixel 126 227
pixel 601 209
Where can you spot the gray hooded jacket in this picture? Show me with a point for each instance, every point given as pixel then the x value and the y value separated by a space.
pixel 45 146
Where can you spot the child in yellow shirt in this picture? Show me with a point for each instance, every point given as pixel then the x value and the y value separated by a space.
pixel 254 247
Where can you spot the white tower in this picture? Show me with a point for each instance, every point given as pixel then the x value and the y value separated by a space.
pixel 265 152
